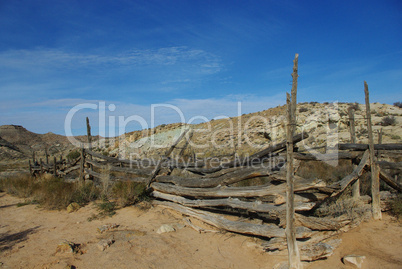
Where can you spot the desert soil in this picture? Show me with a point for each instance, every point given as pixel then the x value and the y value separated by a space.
pixel 29 237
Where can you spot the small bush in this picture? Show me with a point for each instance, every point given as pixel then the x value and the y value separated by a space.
pixel 21 186
pixel 72 155
pixel 398 104
pixel 128 192
pixel 350 207
pixel 387 121
pixel 303 109
pixel 50 192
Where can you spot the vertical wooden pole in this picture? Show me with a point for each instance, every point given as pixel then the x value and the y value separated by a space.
pixel 47 156
pixel 55 166
pixel 356 185
pixel 41 166
pixel 33 157
pixel 375 180
pixel 82 164
pixel 379 136
pixel 89 138
pixel 293 251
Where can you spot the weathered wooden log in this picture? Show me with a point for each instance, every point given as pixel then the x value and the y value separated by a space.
pixel 135 171
pixel 168 152
pixel 387 179
pixel 351 178
pixel 142 163
pixel 253 191
pixel 256 206
pixel 326 157
pixel 265 230
pixel 115 178
pixel 389 165
pixel 375 178
pixel 350 146
pixel 70 169
pixel 319 224
pixel 226 179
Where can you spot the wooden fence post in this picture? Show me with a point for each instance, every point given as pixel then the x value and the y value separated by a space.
pixel 89 138
pixel 379 136
pixel 33 157
pixel 356 185
pixel 82 164
pixel 375 181
pixel 47 156
pixel 55 166
pixel 293 251
pixel 41 166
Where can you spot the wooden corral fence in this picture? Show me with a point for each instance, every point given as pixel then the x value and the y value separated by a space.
pixel 206 192
pixel 213 193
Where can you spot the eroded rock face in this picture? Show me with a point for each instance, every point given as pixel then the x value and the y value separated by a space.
pixel 353 260
pixel 251 132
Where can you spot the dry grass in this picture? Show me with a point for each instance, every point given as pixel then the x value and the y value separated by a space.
pixel 324 171
pixel 50 192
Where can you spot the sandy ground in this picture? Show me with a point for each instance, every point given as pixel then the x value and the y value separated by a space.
pixel 29 237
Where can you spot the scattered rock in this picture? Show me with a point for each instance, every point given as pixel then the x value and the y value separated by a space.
pixel 105 243
pixel 66 247
pixel 165 228
pixel 354 260
pixel 73 207
pixel 107 227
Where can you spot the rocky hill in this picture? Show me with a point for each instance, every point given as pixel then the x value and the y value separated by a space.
pixel 16 142
pixel 326 124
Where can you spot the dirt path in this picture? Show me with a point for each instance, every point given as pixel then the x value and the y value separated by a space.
pixel 29 237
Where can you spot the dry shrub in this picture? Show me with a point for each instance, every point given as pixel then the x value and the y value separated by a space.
pixel 50 192
pixel 398 104
pixel 20 186
pixel 388 120
pixel 128 192
pixel 324 171
pixel 352 208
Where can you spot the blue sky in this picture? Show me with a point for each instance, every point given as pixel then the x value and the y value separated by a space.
pixel 201 56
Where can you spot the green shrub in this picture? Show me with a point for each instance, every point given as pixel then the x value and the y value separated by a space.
pixel 72 155
pixel 303 109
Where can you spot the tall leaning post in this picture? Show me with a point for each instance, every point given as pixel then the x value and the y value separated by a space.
pixel 375 180
pixel 351 112
pixel 89 138
pixel 82 164
pixel 293 251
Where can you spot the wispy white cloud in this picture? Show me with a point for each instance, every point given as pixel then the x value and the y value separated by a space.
pixel 51 58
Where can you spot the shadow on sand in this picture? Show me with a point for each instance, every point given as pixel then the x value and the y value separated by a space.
pixel 8 240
